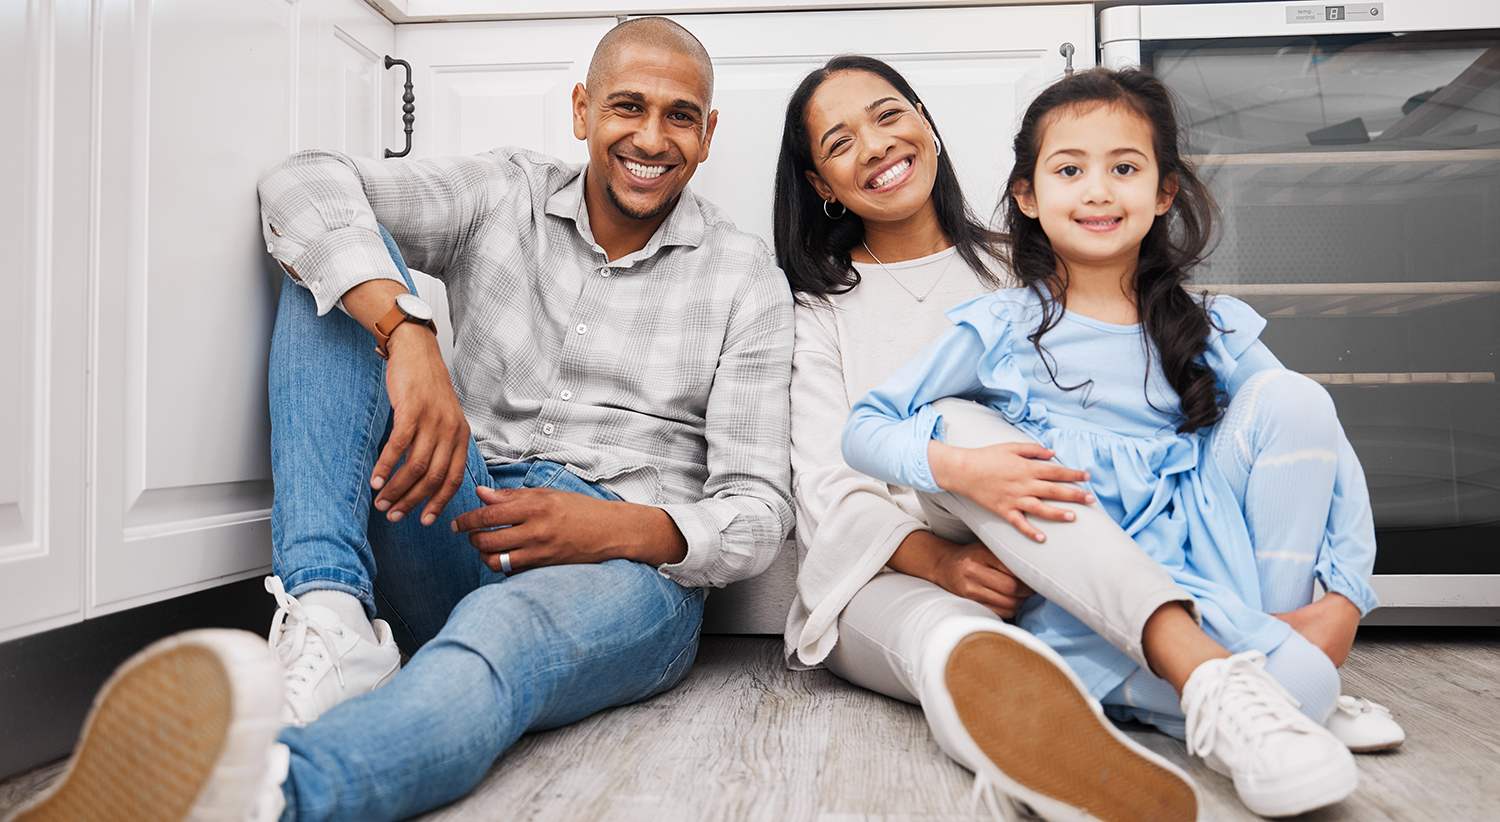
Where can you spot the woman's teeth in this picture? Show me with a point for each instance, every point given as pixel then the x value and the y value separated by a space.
pixel 646 172
pixel 891 174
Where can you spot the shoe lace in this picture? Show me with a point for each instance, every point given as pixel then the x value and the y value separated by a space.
pixel 1239 698
pixel 994 798
pixel 299 641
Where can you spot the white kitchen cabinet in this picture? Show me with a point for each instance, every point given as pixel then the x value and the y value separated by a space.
pixel 133 433
pixel 44 223
pixel 134 463
pixel 198 100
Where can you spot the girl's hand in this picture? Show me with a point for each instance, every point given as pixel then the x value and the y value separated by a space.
pixel 1012 479
pixel 969 571
pixel 1329 623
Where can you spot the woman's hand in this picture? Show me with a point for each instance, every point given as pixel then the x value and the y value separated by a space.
pixel 969 571
pixel 1012 479
pixel 1329 623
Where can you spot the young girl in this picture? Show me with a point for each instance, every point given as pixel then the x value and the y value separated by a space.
pixel 1103 358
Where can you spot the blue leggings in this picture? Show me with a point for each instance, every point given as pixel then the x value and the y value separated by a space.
pixel 1282 449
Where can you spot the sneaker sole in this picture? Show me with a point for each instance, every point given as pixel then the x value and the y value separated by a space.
pixel 1377 748
pixel 1046 737
pixel 177 733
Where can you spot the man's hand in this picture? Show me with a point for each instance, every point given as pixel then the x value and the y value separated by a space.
pixel 552 527
pixel 970 571
pixel 428 428
pixel 1012 479
pixel 1329 623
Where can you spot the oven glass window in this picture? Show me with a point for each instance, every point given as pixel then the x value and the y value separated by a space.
pixel 1360 184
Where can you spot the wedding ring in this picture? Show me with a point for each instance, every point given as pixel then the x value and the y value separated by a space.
pixel 505 563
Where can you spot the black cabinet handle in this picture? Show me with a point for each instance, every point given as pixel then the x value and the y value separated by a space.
pixel 408 106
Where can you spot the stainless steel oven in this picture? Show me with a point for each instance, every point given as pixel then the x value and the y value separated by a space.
pixel 1355 150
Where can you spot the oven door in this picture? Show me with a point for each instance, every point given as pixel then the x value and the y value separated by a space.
pixel 1359 175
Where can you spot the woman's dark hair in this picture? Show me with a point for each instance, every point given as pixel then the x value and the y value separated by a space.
pixel 1177 323
pixel 812 249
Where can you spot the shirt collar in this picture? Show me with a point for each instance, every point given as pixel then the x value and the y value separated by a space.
pixel 684 225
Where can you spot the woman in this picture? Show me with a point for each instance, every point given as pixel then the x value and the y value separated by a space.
pixel 873 234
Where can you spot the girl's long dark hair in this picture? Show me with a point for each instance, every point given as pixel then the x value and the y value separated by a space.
pixel 812 249
pixel 1176 323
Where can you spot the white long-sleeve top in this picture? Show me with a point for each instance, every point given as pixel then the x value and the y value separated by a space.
pixel 848 524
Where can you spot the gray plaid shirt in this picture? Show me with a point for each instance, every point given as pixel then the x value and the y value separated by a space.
pixel 662 375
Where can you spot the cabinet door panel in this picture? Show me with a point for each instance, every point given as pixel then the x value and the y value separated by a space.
pixel 44 227
pixel 198 103
pixel 976 69
pixel 200 99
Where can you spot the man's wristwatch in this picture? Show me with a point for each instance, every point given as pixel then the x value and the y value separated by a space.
pixel 408 308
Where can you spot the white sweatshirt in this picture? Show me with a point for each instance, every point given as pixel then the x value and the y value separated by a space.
pixel 848 524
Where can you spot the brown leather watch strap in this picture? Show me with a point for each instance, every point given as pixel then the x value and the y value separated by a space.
pixel 386 326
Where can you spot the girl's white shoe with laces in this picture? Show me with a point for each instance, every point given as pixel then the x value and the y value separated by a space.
pixel 1245 725
pixel 1010 709
pixel 1364 726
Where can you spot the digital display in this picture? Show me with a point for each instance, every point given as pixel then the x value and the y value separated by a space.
pixel 1360 12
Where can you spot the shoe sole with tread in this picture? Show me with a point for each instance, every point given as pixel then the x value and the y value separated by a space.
pixel 178 732
pixel 1051 740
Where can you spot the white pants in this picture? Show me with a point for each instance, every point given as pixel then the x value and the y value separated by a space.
pixel 1095 571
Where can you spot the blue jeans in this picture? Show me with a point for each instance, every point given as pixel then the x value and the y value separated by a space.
pixel 499 655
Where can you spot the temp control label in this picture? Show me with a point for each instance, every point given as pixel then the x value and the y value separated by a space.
pixel 1336 14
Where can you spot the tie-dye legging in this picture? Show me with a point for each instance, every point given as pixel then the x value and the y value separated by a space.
pixel 1289 463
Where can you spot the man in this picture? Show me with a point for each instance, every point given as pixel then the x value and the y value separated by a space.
pixel 622 354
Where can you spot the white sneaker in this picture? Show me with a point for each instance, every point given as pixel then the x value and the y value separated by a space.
pixel 1007 707
pixel 1364 726
pixel 312 643
pixel 1245 725
pixel 184 730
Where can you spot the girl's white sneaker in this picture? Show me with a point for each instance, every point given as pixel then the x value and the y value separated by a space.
pixel 1364 726
pixel 1245 725
pixel 1007 707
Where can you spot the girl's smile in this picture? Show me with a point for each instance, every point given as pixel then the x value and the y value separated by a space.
pixel 1096 189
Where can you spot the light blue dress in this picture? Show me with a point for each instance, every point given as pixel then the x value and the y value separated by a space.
pixel 1165 489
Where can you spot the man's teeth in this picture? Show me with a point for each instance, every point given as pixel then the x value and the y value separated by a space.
pixel 648 172
pixel 891 174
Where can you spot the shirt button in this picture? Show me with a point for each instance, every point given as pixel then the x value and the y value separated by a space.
pixel 604 272
pixel 582 329
pixel 566 395
pixel 547 429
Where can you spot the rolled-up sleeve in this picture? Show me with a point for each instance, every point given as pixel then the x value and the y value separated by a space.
pixel 321 212
pixel 736 530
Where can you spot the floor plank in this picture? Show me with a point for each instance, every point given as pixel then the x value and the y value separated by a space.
pixel 743 738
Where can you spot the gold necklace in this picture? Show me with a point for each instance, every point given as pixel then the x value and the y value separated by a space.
pixel 914 294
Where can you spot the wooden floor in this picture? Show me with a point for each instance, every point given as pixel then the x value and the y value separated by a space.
pixel 743 738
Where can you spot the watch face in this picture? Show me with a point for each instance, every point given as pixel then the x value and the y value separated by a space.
pixel 412 306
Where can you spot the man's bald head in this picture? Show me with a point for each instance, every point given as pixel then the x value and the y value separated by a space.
pixel 651 32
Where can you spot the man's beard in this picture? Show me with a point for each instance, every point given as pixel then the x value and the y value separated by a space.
pixel 654 212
